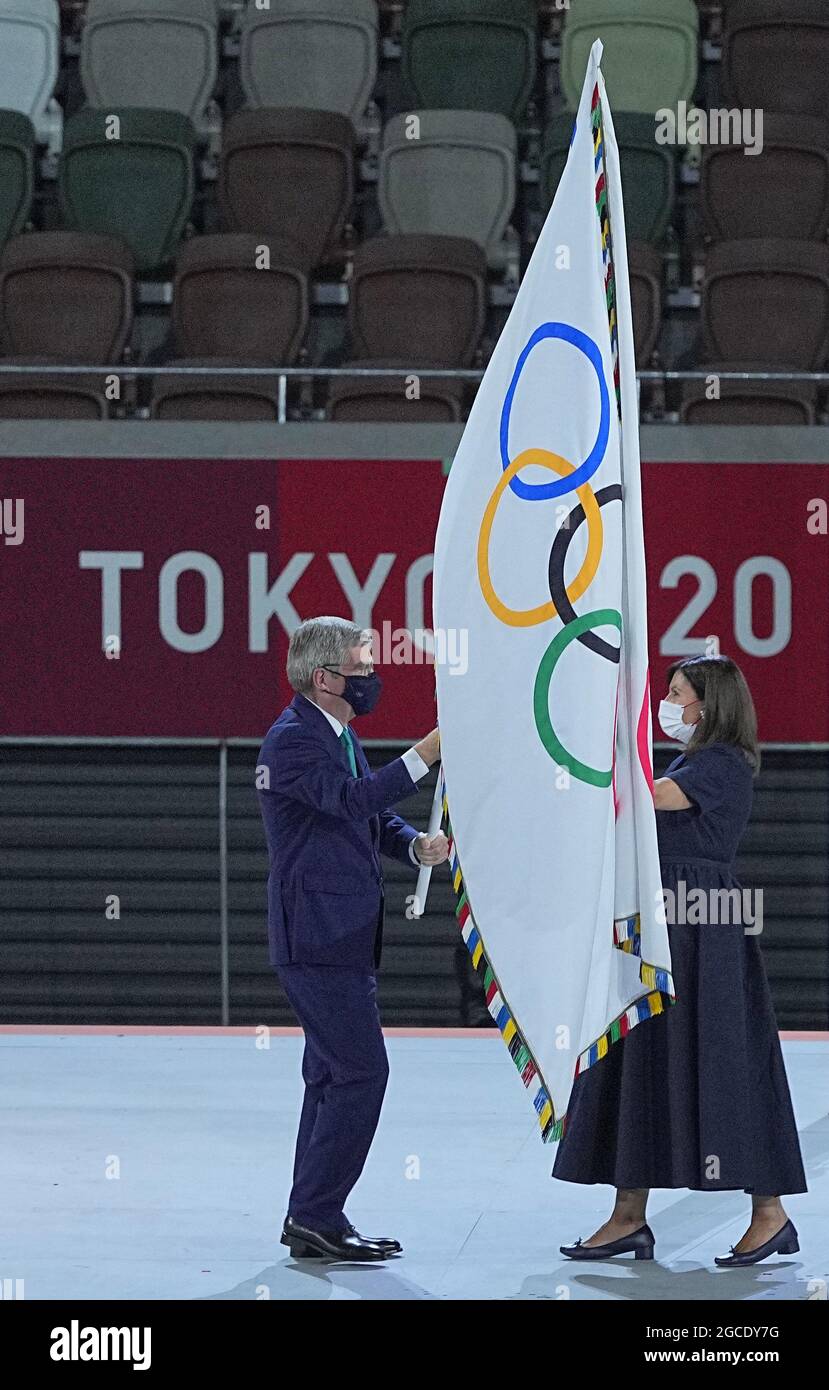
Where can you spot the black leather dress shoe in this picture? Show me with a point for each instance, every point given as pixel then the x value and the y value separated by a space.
pixel 641 1242
pixel 385 1242
pixel 785 1242
pixel 307 1244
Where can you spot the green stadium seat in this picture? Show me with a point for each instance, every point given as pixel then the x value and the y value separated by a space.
pixel 17 172
pixel 650 51
pixel 138 186
pixel 475 55
pixel 648 171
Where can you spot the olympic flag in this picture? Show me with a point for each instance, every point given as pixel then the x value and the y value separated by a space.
pixel 546 739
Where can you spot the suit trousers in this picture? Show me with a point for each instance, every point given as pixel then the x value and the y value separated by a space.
pixel 345 1070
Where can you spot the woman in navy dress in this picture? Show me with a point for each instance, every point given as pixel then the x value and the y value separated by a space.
pixel 697 1097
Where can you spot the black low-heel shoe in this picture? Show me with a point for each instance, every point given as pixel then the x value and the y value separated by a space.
pixel 641 1242
pixel 784 1243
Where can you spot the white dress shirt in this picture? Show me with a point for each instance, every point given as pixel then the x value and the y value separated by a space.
pixel 415 766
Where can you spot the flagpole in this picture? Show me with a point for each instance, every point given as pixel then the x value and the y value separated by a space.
pixel 424 877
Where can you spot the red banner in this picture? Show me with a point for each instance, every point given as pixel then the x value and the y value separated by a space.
pixel 156 597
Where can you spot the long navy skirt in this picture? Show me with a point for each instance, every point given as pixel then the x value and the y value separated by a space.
pixel 696 1097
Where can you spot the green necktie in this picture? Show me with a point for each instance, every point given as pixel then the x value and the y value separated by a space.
pixel 346 741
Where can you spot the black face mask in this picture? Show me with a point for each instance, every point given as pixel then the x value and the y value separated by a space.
pixel 361 692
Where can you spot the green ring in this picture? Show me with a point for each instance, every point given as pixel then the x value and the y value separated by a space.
pixel 543 679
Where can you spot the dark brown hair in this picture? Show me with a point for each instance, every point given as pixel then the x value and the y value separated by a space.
pixel 729 715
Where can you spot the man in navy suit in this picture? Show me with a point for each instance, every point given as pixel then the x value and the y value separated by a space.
pixel 327 822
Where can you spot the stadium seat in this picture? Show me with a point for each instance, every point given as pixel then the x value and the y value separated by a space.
pixel 200 397
pixel 475 55
pixel 66 295
pixel 288 173
pixel 29 55
pixel 775 57
pixel 310 53
pixel 439 400
pixel 17 172
pixel 766 301
pixel 152 53
pixel 456 179
pixel 648 171
pixel 35 397
pixel 781 192
pixel 226 305
pixel 650 51
pixel 646 282
pixel 138 186
pixel 749 402
pixel 418 298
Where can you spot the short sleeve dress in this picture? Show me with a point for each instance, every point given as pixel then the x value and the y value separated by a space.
pixel 696 1097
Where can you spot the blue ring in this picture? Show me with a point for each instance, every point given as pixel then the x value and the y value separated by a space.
pixel 540 492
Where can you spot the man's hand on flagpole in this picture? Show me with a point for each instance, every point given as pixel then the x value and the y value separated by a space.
pixel 432 849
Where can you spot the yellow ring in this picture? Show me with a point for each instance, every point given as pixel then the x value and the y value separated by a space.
pixel 529 617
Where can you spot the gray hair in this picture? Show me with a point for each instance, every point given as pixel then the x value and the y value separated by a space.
pixel 320 642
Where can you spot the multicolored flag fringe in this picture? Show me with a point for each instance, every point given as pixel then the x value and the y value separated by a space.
pixel 546 738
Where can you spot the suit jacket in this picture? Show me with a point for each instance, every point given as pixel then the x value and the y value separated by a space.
pixel 326 830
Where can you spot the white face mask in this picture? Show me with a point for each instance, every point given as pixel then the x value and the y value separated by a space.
pixel 671 722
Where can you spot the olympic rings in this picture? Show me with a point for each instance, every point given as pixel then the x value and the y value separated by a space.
pixel 541 491
pixel 562 596
pixel 529 617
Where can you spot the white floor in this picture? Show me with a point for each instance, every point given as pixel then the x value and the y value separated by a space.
pixel 199 1132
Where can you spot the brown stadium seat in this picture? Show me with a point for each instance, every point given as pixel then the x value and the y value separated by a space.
pixel 749 402
pixel 66 295
pixel 766 300
pixel 35 397
pixel 200 397
pixel 418 299
pixel 775 55
pixel 781 192
pixel 230 311
pixel 290 173
pixel 440 399
pixel 646 281
pixel 226 305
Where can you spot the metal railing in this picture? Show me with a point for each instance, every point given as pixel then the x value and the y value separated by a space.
pixel 284 374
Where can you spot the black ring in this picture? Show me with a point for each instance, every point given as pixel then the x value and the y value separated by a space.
pixel 555 573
